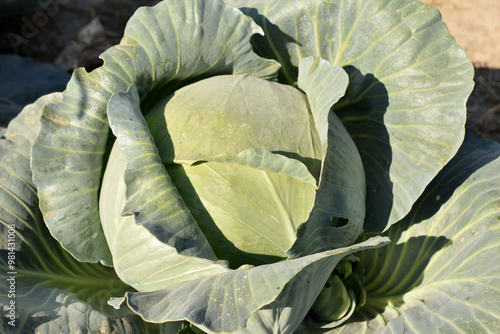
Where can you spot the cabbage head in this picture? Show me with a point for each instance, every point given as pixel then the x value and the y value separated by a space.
pixel 256 167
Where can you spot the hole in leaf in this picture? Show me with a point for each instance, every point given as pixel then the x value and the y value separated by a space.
pixel 338 222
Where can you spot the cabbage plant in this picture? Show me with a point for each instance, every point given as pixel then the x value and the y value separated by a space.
pixel 256 167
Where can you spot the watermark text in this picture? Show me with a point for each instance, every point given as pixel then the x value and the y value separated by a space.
pixel 11 275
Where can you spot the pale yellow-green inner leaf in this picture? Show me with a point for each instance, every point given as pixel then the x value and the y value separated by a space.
pixel 248 215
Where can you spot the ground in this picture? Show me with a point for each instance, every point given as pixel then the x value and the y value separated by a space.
pixel 75 33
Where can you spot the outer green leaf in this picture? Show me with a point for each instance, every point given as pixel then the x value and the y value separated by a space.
pixel 409 81
pixel 18 200
pixel 53 292
pixel 153 237
pixel 337 217
pixel 442 270
pixel 288 289
pixel 164 48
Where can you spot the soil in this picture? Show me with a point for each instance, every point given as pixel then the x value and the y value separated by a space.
pixel 72 33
